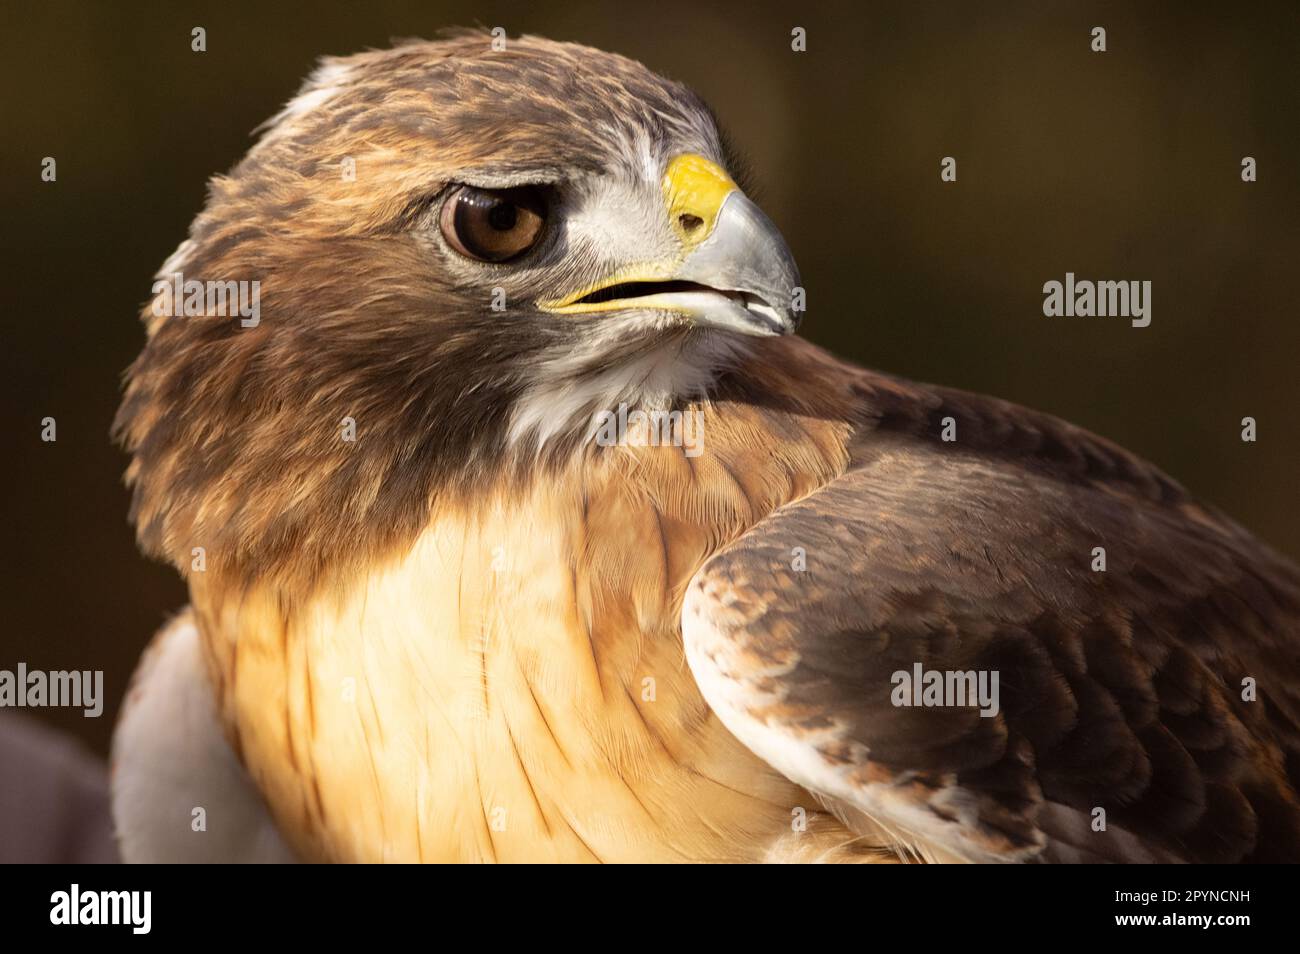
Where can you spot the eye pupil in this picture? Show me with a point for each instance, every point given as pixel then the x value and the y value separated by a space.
pixel 503 216
pixel 493 225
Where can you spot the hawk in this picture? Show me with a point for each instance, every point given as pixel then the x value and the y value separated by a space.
pixel 434 617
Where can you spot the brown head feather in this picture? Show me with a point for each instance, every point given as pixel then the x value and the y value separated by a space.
pixel 236 431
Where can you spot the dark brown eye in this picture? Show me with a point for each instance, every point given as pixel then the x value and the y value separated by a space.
pixel 493 225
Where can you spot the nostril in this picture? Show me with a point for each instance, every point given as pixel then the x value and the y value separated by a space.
pixel 688 222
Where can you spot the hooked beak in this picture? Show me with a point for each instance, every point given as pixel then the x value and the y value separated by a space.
pixel 734 270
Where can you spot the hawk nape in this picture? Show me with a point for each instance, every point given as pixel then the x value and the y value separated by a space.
pixel 434 620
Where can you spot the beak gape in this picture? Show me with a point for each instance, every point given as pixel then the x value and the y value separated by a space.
pixel 736 271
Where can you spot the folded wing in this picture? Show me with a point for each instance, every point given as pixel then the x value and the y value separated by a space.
pixel 1125 728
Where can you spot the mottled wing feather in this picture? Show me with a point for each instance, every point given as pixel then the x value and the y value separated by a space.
pixel 1119 690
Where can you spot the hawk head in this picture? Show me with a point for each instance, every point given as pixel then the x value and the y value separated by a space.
pixel 464 251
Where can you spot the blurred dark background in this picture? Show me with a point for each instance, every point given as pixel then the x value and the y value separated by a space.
pixel 1116 165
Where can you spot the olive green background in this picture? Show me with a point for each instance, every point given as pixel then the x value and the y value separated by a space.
pixel 1122 165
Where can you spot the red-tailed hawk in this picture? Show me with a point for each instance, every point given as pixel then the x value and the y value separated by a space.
pixel 517 528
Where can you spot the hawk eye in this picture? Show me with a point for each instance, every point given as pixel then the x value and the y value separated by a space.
pixel 493 225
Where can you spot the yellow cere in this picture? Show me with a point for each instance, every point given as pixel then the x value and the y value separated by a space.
pixel 694 186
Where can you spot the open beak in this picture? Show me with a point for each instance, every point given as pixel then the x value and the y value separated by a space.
pixel 734 270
